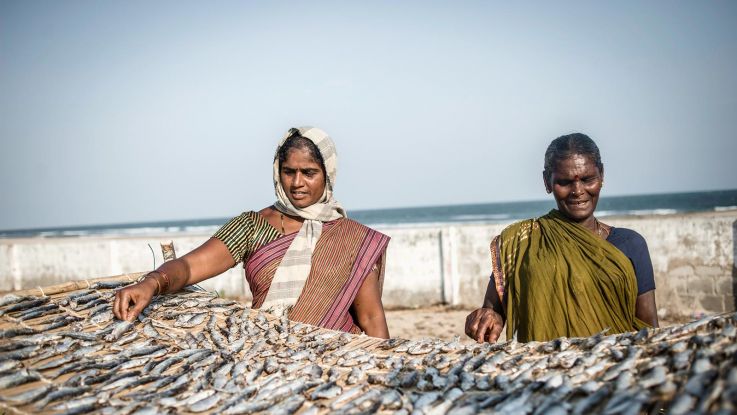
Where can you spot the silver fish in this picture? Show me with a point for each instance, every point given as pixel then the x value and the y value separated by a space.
pixel 8 299
pixel 327 390
pixel 61 393
pixel 346 396
pixel 20 377
pixel 190 320
pixel 288 406
pixel 27 397
pixel 119 329
pixel 206 403
pixel 448 400
pixel 24 305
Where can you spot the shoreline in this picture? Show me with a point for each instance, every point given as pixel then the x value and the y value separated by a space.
pixel 379 226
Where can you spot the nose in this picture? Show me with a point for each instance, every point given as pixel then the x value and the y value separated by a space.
pixel 299 179
pixel 577 188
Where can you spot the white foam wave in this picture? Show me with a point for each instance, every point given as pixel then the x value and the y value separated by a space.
pixel 653 212
pixel 724 208
pixel 607 213
pixel 637 212
pixel 74 233
pixel 201 229
pixel 481 217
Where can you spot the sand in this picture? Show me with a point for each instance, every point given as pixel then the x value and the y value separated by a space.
pixel 436 322
pixel 443 322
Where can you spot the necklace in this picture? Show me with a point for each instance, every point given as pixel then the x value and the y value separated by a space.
pixel 599 230
pixel 282 223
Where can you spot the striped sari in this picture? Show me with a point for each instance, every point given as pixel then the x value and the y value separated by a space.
pixel 344 256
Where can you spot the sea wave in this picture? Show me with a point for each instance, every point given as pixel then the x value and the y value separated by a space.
pixel 481 217
pixel 132 231
pixel 637 212
pixel 724 208
pixel 201 229
pixel 422 217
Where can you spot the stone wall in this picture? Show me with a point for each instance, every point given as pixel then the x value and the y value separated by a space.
pixel 693 259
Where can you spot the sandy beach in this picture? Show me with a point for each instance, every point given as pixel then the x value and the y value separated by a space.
pixel 445 323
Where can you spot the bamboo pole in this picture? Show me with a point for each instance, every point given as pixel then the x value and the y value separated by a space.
pixel 167 250
pixel 77 285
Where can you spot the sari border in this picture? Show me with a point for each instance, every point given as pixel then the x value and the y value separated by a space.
pixel 370 251
pixel 497 271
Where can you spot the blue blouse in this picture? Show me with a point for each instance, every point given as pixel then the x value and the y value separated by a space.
pixel 633 245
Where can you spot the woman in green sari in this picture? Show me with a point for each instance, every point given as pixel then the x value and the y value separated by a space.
pixel 567 273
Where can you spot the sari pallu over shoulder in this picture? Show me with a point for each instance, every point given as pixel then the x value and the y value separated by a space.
pixel 344 255
pixel 562 280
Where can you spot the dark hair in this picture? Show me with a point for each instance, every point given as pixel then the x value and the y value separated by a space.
pixel 296 140
pixel 566 146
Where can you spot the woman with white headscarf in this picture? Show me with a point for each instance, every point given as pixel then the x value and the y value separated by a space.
pixel 301 255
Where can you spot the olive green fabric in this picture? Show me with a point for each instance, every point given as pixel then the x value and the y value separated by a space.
pixel 563 280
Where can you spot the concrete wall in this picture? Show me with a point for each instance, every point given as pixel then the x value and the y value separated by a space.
pixel 693 258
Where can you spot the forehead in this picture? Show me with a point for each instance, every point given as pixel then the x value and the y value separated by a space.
pixel 300 158
pixel 575 165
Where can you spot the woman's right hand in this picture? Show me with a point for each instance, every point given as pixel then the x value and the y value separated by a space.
pixel 130 301
pixel 484 324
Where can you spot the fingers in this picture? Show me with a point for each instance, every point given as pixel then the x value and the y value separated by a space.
pixel 121 297
pixel 496 329
pixel 136 310
pixel 472 323
pixel 475 327
pixel 483 325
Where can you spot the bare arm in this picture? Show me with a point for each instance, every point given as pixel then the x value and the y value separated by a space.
pixel 487 322
pixel 206 261
pixel 645 308
pixel 368 308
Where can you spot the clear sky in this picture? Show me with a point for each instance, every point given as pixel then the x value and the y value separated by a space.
pixel 127 111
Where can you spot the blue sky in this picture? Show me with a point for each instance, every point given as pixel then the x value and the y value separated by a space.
pixel 133 111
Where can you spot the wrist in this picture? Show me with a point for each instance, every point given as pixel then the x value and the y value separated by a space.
pixel 153 284
pixel 163 279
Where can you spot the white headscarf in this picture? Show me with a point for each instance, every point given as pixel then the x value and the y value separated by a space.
pixel 290 277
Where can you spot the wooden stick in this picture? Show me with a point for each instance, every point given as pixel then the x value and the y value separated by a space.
pixel 167 250
pixel 76 285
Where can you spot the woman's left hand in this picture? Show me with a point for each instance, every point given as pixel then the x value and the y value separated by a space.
pixel 484 324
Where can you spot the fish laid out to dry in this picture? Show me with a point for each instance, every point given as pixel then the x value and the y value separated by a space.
pixel 193 353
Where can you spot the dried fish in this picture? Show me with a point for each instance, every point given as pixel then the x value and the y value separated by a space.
pixel 25 305
pixel 16 331
pixel 119 328
pixel 190 320
pixel 236 360
pixel 12 299
pixel 18 378
pixel 61 393
pixel 27 397
pixel 326 391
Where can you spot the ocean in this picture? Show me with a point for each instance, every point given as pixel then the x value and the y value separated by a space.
pixel 652 204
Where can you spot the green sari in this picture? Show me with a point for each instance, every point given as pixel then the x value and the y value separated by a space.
pixel 562 280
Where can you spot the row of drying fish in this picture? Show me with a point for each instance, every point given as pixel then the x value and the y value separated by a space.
pixel 194 353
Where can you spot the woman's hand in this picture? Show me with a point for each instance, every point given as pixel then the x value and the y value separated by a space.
pixel 209 259
pixel 130 301
pixel 484 324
